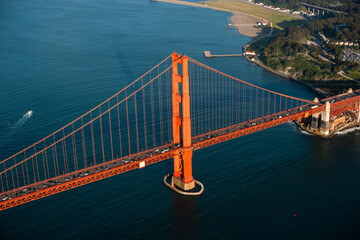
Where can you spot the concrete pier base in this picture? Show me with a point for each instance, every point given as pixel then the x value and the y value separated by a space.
pixel 315 121
pixel 325 119
pixel 182 185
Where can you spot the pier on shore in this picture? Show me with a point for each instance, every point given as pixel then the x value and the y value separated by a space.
pixel 207 54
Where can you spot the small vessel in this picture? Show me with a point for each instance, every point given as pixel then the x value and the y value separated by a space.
pixel 29 113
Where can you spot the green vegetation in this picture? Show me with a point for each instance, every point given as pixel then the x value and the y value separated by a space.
pixel 354 74
pixel 287 52
pixel 278 19
pixel 302 53
pixel 294 4
pixel 289 4
pixel 259 44
pixel 334 87
pixel 350 31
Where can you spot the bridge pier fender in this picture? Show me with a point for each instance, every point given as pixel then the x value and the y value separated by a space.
pixel 325 119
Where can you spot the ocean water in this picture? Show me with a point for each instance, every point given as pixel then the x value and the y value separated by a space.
pixel 61 58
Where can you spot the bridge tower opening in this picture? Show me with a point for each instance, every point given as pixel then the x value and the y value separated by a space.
pixel 182 176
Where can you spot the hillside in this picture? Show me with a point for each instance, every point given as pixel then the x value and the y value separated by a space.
pixel 321 53
pixel 294 4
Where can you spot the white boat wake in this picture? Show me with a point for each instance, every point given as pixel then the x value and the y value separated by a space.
pixel 299 129
pixel 22 120
pixel 304 132
pixel 348 130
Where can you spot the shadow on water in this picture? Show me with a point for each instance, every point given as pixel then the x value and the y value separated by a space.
pixel 124 65
pixel 335 87
pixel 186 225
pixel 327 152
pixel 263 178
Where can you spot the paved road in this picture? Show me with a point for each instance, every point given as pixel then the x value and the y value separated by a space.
pixel 343 75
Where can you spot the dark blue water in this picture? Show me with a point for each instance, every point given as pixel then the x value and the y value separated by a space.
pixel 61 58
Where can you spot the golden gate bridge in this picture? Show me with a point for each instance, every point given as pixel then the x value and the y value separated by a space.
pixel 177 107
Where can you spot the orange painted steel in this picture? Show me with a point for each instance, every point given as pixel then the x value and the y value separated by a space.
pixel 337 112
pixel 81 117
pixel 183 162
pixel 134 165
pixel 77 130
pixel 186 124
pixel 345 103
pixel 249 84
pixel 181 148
pixel 149 160
pixel 176 99
pixel 83 180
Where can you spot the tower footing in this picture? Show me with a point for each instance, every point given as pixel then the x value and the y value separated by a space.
pixel 182 185
pixel 177 189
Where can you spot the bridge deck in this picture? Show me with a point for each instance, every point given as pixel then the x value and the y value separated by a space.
pixel 97 172
pixel 32 190
pixel 101 171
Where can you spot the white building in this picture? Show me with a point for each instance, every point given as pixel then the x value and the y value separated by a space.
pixel 250 53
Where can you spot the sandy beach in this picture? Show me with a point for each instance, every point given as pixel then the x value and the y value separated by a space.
pixel 245 23
pixel 247 26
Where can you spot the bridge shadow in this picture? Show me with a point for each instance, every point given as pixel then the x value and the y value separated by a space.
pixel 328 152
pixel 335 87
pixel 186 222
pixel 124 64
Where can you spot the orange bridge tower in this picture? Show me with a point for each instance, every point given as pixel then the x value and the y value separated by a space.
pixel 182 176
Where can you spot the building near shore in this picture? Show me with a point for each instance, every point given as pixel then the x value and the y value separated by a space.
pixel 311 43
pixel 250 53
pixel 351 56
pixel 284 10
pixel 263 23
pixel 342 43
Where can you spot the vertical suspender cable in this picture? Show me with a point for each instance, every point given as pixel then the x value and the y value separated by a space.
pixel 118 113
pixel 144 112
pixel 111 141
pixel 136 123
pixel 128 124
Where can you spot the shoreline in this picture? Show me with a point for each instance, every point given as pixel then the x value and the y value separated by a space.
pixel 245 23
pixel 249 30
pixel 280 74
